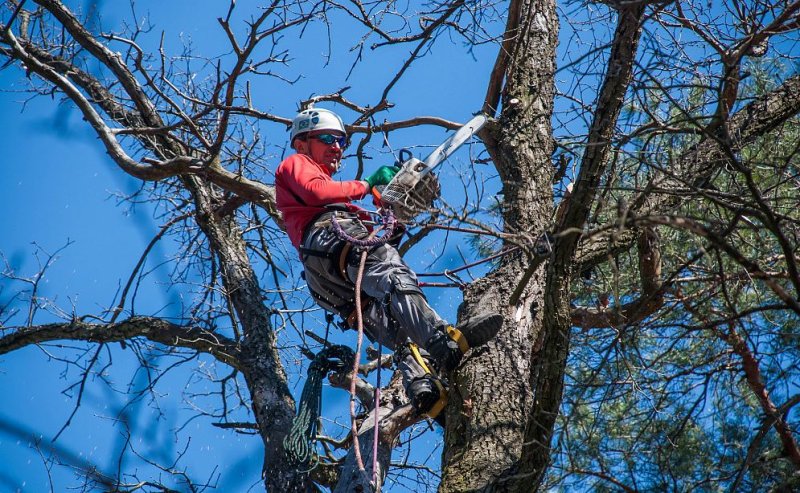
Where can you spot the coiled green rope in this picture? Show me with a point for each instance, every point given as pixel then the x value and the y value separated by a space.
pixel 299 443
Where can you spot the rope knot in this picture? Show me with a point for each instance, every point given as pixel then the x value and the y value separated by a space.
pixel 389 223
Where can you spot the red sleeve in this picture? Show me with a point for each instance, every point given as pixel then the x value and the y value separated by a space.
pixel 315 187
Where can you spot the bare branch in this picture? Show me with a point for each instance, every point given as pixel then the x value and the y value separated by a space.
pixel 153 329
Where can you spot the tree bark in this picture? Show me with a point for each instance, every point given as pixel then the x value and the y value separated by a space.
pixel 272 402
pixel 491 392
pixel 547 378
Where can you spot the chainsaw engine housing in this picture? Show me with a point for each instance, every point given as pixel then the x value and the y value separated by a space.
pixel 412 190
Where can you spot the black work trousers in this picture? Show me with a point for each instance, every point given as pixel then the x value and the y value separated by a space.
pixel 396 309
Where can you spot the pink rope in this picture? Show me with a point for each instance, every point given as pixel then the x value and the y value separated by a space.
pixel 389 224
pixel 356 361
pixel 377 421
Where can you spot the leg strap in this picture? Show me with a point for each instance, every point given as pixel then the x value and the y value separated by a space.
pixel 457 336
pixel 352 320
pixel 343 261
pixel 440 404
pixel 418 357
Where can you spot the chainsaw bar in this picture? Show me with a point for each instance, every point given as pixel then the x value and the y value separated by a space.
pixel 455 141
pixel 414 188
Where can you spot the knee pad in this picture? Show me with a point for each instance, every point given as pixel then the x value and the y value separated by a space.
pixel 405 284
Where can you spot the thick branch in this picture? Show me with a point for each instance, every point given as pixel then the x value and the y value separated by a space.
pixel 365 393
pixel 492 99
pixel 265 376
pixel 154 329
pixel 650 300
pixel 115 150
pixel 107 57
pixel 698 164
pixel 609 104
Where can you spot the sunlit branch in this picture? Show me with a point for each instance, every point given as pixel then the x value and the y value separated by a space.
pixel 153 329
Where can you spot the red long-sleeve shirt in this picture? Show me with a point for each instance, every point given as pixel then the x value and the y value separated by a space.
pixel 302 190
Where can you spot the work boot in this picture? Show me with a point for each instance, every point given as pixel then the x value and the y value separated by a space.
pixel 428 395
pixel 426 391
pixel 448 346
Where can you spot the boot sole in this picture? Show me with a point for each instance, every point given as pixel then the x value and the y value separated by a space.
pixel 481 329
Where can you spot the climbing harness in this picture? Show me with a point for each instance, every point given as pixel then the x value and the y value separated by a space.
pixel 388 225
pixel 300 442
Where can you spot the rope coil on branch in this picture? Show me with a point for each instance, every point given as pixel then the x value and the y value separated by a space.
pixel 299 443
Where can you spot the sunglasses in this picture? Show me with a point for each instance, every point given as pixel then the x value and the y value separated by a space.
pixel 329 139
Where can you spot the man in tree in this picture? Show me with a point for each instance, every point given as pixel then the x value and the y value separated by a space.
pixel 395 312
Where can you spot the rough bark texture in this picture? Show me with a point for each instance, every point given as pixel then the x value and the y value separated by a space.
pixel 531 352
pixel 550 362
pixel 492 393
pixel 272 402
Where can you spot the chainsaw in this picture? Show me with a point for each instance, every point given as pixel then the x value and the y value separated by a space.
pixel 414 188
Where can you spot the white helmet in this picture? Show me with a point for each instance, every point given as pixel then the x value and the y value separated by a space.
pixel 315 119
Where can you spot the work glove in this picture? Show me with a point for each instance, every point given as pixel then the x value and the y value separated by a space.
pixel 382 176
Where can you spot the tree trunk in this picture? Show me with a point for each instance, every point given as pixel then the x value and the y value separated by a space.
pixel 492 393
pixel 272 402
